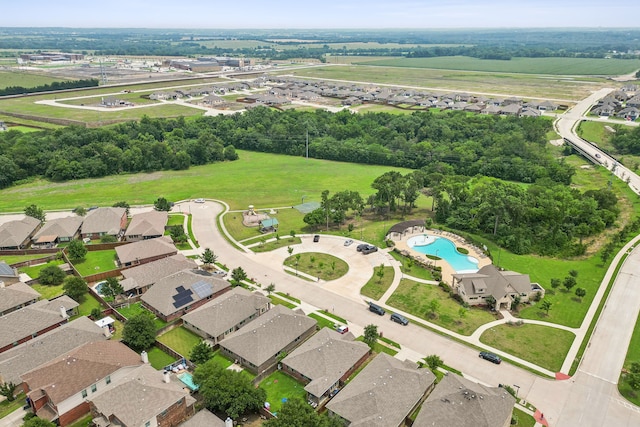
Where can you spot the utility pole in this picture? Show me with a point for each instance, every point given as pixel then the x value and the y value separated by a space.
pixel 307 144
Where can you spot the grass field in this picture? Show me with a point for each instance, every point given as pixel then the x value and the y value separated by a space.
pixel 13 259
pixel 376 286
pixel 276 244
pixel 274 173
pixel 633 355
pixel 554 66
pixel 97 262
pixel 415 298
pixel 524 419
pixel 180 339
pixel 380 348
pixel 137 308
pixel 159 359
pixel 89 302
pixel 279 301
pixel 322 321
pixel 175 220
pixel 411 268
pixel 21 78
pixel 522 85
pixel 281 386
pixel 324 266
pixel 48 292
pixel 34 271
pixel 7 407
pixel 542 345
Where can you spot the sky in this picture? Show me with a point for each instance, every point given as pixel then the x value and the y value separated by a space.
pixel 300 14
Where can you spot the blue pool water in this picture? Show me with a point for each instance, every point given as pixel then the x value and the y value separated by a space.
pixel 187 379
pixel 445 249
pixel 98 287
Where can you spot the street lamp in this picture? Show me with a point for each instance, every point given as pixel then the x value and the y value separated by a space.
pixel 517 389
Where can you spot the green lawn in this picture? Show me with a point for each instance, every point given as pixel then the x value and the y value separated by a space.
pixel 82 422
pixel 34 271
pixel 221 360
pixel 410 268
pixel 7 407
pixel 24 79
pixel 275 300
pixel 13 259
pixel 376 287
pixel 380 348
pixel 322 321
pixel 159 359
pixel 137 308
pixel 281 386
pixel 338 319
pixel 542 345
pixel 593 131
pixel 88 303
pixel 415 298
pixel 190 232
pixel 288 219
pixel 287 296
pixel 557 66
pixel 270 246
pixel 97 262
pixel 633 355
pixel 177 219
pixel 180 339
pixel 48 292
pixel 524 419
pixel 324 266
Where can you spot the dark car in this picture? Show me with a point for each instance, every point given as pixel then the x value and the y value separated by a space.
pixel 361 246
pixel 374 308
pixel 316 238
pixel 494 358
pixel 399 318
pixel 369 249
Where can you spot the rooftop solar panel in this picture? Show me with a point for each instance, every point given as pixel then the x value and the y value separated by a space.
pixel 202 289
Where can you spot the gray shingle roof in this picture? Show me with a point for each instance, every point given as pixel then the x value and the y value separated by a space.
pixel 140 396
pixel 383 393
pixel 325 358
pixel 60 227
pixel 203 418
pixel 160 295
pixel 263 337
pixel 14 233
pixel 491 281
pixel 226 311
pixel 145 249
pixel 103 220
pixel 147 274
pixel 40 350
pixel 6 270
pixel 26 321
pixel 15 295
pixel 458 402
pixel 150 223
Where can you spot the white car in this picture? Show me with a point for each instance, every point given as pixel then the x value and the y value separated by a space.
pixel 348 242
pixel 199 200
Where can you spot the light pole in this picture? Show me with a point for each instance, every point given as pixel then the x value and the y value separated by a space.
pixel 517 390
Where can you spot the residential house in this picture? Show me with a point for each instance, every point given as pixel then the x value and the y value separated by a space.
pixel 490 282
pixel 104 222
pixel 224 315
pixel 629 113
pixel 8 274
pixel 213 101
pixel 203 418
pixel 17 234
pixel 634 102
pixel 147 225
pixel 529 112
pixel 142 397
pixel 42 349
pixel 383 394
pixel 140 278
pixel 60 389
pixel 324 362
pixel 604 110
pixel 144 251
pixel 459 402
pixel 58 230
pixel 258 344
pixel 512 109
pixel 547 106
pixel 31 321
pixel 176 295
pixel 16 296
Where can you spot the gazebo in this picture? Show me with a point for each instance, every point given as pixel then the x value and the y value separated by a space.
pixel 400 229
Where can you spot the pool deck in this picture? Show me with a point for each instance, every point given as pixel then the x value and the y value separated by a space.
pixel 447 270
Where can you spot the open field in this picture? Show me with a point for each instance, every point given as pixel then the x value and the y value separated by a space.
pixel 542 345
pixel 274 173
pixel 97 262
pixel 311 44
pixel 522 85
pixel 280 387
pixel 553 66
pixel 24 79
pixel 180 339
pixel 135 98
pixel 48 292
pixel 13 259
pixel 324 266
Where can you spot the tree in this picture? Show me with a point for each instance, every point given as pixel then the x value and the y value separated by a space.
pixel 434 361
pixel 297 413
pixel 124 205
pixel 271 288
pixel 371 335
pixel 555 283
pixel 633 379
pixel 573 273
pixel 162 204
pixel 8 390
pixel 289 250
pixel 230 153
pixel 569 282
pixel 491 302
pixel 108 238
pixel 201 353
pixel 238 275
pixel 380 273
pixel 581 292
pixel 515 303
pixel 434 305
pixel 227 391
pixel 139 333
pixel 96 313
pixel 75 287
pixel 292 233
pixel 111 288
pixel 80 211
pixel 35 212
pixel 208 257
pixel 546 306
pixel 177 234
pixel 51 275
pixel 76 250
pixel 38 422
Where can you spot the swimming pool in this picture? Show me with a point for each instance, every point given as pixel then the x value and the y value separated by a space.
pixel 98 287
pixel 187 379
pixel 445 249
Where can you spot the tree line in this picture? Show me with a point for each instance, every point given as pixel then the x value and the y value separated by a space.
pixel 626 140
pixel 71 84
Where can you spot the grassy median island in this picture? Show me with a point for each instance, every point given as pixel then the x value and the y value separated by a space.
pixel 324 266
pixel 543 345
pixel 377 286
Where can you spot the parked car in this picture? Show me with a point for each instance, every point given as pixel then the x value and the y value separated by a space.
pixel 316 238
pixel 399 318
pixel 199 200
pixel 361 246
pixel 219 273
pixel 343 329
pixel 374 308
pixel 369 249
pixel 494 358
pixel 348 242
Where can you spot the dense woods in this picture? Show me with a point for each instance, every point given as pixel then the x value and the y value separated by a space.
pixel 626 140
pixel 72 84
